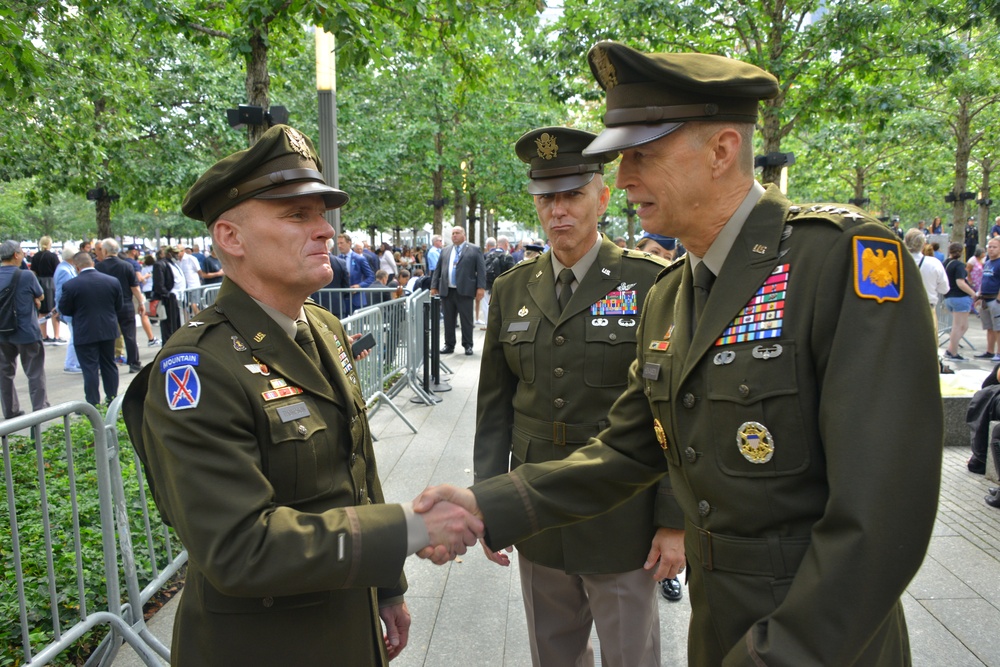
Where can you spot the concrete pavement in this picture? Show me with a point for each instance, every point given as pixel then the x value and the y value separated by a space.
pixel 469 612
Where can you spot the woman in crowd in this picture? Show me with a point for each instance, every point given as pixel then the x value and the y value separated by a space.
pixel 957 300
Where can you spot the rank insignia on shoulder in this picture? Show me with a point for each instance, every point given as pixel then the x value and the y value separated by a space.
pixel 194 324
pixel 183 387
pixel 661 435
pixel 755 442
pixel 877 269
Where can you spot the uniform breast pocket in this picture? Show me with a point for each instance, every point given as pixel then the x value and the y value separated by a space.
pixel 518 338
pixel 609 351
pixel 300 455
pixel 756 410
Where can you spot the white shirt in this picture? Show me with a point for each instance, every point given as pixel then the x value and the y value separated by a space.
pixel 189 265
pixel 934 275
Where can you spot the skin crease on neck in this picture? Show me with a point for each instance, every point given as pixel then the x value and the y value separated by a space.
pixel 685 184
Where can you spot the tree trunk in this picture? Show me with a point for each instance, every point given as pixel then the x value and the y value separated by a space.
pixel 437 183
pixel 963 149
pixel 630 240
pixel 471 230
pixel 102 209
pixel 258 81
pixel 984 196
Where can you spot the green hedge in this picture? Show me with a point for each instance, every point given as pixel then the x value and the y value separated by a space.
pixel 33 549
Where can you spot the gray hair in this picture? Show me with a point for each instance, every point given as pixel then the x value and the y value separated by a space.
pixel 68 250
pixel 110 246
pixel 8 249
pixel 914 240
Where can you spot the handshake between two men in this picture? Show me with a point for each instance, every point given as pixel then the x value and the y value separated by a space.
pixel 453 521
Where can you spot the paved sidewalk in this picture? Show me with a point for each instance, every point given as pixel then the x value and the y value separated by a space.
pixel 469 612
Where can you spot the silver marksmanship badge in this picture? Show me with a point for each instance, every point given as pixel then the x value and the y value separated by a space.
pixel 755 442
pixel 523 311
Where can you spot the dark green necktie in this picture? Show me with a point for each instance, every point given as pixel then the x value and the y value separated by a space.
pixel 565 279
pixel 304 338
pixel 703 279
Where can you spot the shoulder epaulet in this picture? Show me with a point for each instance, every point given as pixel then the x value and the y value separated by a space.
pixel 645 256
pixel 191 333
pixel 670 268
pixel 523 263
pixel 842 215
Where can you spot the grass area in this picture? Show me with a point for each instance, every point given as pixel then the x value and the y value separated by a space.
pixel 57 460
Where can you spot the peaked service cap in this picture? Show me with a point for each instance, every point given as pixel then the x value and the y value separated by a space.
pixel 282 164
pixel 649 95
pixel 556 160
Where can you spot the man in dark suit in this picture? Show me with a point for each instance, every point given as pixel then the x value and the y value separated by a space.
pixel 336 303
pixel 359 270
pixel 460 278
pixel 112 265
pixel 94 301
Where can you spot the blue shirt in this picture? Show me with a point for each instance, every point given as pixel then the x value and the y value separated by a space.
pixel 433 255
pixel 24 302
pixel 991 277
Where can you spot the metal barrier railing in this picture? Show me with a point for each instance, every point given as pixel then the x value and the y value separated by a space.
pixel 67 594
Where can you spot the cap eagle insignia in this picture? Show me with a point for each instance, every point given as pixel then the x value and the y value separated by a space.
pixel 297 142
pixel 606 73
pixel 879 267
pixel 547 148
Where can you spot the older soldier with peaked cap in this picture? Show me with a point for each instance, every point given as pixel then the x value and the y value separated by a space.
pixel 560 338
pixel 252 426
pixel 767 364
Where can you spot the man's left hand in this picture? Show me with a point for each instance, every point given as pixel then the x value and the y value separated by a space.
pixel 397 627
pixel 668 549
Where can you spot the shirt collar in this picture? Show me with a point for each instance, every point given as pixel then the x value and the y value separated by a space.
pixel 286 323
pixel 723 243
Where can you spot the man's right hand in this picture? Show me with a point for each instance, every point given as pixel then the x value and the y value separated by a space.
pixel 428 501
pixel 451 530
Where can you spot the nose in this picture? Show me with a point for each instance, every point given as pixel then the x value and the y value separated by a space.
pixel 626 172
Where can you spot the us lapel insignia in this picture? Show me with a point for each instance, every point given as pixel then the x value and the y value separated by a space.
pixel 259 336
pixel 606 272
pixel 760 249
pixel 755 442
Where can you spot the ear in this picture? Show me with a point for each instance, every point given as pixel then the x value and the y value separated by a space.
pixel 603 199
pixel 226 235
pixel 726 145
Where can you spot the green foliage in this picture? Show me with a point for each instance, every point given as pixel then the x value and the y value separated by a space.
pixel 57 461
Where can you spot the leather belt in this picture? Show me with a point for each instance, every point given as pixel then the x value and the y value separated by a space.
pixel 560 433
pixel 768 556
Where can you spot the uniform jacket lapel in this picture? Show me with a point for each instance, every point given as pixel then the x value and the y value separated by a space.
pixel 270 344
pixel 541 287
pixel 326 343
pixel 751 259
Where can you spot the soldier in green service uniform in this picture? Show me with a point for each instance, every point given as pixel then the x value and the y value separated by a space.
pixel 560 338
pixel 803 443
pixel 252 427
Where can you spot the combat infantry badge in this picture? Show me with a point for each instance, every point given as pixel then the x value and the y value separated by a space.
pixel 755 442
pixel 547 148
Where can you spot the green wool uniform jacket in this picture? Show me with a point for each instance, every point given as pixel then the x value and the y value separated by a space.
pixel 807 464
pixel 547 382
pixel 266 471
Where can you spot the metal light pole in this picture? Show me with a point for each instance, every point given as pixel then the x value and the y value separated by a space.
pixel 326 90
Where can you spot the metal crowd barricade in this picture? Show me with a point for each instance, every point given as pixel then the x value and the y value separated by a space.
pixel 67 593
pixel 372 370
